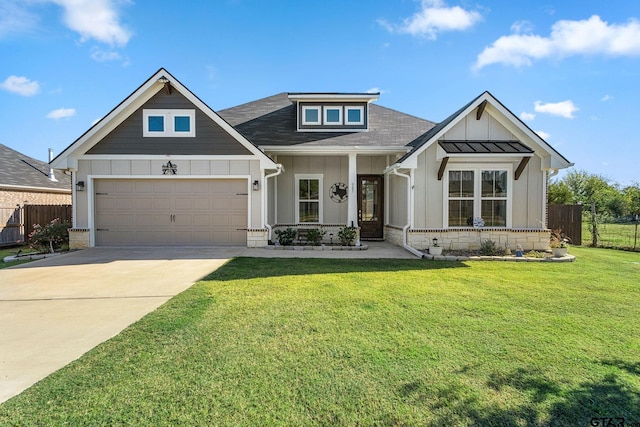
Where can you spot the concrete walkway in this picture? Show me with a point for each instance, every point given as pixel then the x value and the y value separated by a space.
pixel 54 310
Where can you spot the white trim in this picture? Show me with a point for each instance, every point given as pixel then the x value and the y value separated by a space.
pixel 169 122
pixel 353 107
pixel 352 191
pixel 35 189
pixel 320 178
pixel 477 169
pixel 91 193
pixel 317 108
pixel 332 97
pixel 325 112
pixel 323 150
pixel 165 157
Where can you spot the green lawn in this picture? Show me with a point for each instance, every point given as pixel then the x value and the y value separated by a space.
pixel 368 342
pixel 5 252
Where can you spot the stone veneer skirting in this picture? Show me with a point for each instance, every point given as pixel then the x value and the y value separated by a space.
pixel 257 237
pixel 470 239
pixel 79 238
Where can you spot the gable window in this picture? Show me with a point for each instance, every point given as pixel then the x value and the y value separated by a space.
pixel 478 193
pixel 311 115
pixel 332 115
pixel 168 123
pixel 354 115
pixel 308 198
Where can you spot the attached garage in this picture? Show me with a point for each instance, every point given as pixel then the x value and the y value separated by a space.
pixel 149 212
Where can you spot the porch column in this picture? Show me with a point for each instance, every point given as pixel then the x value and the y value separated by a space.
pixel 352 200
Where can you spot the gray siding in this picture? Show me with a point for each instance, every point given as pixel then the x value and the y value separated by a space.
pixel 210 138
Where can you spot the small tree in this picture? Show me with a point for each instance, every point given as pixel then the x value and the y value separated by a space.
pixel 50 237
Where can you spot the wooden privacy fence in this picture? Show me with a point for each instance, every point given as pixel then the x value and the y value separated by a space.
pixel 567 218
pixel 44 214
pixel 10 225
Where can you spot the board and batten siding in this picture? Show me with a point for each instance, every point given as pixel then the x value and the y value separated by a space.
pixel 153 168
pixel 210 139
pixel 470 129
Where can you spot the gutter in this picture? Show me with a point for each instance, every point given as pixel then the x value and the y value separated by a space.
pixel 405 229
pixel 279 170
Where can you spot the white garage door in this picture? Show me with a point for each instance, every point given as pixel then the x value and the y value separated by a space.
pixel 171 212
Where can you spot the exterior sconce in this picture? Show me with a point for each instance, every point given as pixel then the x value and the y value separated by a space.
pixel 256 185
pixel 80 186
pixel 435 242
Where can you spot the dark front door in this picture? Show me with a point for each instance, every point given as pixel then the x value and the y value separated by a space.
pixel 371 206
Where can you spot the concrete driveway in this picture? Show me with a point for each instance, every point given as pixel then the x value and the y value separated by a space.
pixel 54 310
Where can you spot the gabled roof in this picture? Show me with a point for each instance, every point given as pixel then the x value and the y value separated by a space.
pixel 134 101
pixel 18 170
pixel 502 114
pixel 271 122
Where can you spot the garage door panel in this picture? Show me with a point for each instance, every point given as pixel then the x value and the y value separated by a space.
pixel 171 212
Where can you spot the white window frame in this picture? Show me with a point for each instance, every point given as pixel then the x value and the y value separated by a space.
pixel 298 178
pixel 477 191
pixel 169 123
pixel 304 121
pixel 346 114
pixel 325 111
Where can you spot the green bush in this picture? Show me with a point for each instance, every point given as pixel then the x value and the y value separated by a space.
pixel 315 235
pixel 347 236
pixel 286 236
pixel 490 248
pixel 50 237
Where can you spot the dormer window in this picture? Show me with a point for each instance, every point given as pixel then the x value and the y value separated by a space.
pixel 168 123
pixel 333 112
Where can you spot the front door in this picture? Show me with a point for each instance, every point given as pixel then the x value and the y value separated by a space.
pixel 371 206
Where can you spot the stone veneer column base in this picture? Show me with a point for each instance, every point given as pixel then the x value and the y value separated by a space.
pixel 257 237
pixel 79 238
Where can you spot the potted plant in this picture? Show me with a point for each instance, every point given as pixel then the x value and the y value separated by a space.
pixel 559 243
pixel 435 248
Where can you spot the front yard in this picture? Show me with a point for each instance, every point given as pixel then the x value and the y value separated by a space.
pixel 368 342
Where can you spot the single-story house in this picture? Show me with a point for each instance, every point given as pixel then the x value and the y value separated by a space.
pixel 162 168
pixel 25 180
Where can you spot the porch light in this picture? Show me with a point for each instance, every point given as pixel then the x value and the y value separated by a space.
pixel 435 242
pixel 80 186
pixel 256 185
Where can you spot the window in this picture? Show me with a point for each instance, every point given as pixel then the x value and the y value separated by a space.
pixel 168 123
pixel 355 115
pixel 332 115
pixel 477 193
pixel 309 199
pixel 311 115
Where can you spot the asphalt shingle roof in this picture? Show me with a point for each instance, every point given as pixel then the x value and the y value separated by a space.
pixel 25 171
pixel 271 121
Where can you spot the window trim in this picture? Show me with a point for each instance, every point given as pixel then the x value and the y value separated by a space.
pixel 169 123
pixel 304 121
pixel 353 107
pixel 477 169
pixel 325 111
pixel 298 178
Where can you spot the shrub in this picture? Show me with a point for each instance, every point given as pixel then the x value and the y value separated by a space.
pixel 50 237
pixel 347 236
pixel 286 236
pixel 490 248
pixel 315 235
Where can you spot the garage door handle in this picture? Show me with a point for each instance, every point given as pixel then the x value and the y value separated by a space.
pixel 102 229
pixel 242 194
pixel 241 229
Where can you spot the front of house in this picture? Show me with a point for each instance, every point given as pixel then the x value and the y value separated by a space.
pixel 162 168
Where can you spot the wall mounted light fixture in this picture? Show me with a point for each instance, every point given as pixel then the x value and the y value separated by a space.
pixel 256 185
pixel 80 186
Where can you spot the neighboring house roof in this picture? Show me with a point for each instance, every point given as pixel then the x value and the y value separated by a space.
pixel 271 122
pixel 18 171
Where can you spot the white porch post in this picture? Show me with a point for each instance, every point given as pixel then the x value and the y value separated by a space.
pixel 352 215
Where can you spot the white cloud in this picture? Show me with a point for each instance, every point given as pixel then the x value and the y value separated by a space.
pixel 519 27
pixel 606 98
pixel 542 134
pixel 527 116
pixel 20 85
pixel 95 19
pixel 104 56
pixel 61 113
pixel 435 17
pixel 592 36
pixel 563 109
pixel 376 90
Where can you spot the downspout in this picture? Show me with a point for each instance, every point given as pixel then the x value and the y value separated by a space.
pixel 405 229
pixel 279 170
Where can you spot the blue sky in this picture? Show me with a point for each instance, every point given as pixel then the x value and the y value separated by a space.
pixel 570 70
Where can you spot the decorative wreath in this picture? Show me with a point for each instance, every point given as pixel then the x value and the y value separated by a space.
pixel 339 192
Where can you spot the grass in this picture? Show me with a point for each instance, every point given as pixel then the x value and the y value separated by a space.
pixel 367 342
pixel 612 235
pixel 5 252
